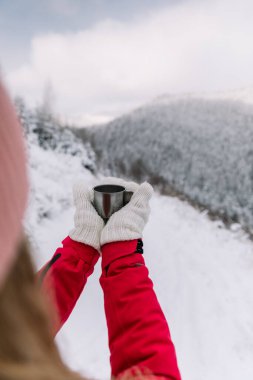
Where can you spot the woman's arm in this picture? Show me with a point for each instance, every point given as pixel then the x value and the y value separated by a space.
pixel 65 275
pixel 138 332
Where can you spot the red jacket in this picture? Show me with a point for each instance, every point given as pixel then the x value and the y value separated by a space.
pixel 139 335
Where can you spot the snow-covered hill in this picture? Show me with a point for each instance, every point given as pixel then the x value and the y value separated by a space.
pixel 243 95
pixel 202 274
pixel 198 148
pixel 57 158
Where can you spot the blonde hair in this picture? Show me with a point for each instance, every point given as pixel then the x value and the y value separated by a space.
pixel 27 348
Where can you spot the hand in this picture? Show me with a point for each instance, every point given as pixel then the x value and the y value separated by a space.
pixel 88 224
pixel 128 223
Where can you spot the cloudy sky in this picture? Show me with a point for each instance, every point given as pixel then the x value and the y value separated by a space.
pixel 105 57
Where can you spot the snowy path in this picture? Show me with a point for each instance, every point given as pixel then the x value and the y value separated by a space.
pixel 203 277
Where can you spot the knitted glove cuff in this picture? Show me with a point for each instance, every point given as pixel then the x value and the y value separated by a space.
pixel 85 235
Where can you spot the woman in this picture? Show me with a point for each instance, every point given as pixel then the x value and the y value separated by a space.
pixel 139 337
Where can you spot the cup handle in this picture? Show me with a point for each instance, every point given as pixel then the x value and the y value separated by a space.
pixel 127 196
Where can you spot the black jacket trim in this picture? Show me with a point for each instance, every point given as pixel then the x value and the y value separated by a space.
pixel 48 266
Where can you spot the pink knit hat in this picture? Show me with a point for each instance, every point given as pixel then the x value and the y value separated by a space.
pixel 13 183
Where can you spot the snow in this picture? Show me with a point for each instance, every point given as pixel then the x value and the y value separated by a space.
pixel 203 278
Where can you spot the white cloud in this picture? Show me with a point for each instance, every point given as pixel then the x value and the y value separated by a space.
pixel 115 66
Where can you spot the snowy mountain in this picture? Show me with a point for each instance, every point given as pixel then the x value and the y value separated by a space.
pixel 244 95
pixel 202 271
pixel 198 149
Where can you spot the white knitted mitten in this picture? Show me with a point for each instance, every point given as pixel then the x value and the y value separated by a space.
pixel 88 224
pixel 128 223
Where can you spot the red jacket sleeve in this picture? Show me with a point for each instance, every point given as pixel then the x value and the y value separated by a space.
pixel 138 332
pixel 65 275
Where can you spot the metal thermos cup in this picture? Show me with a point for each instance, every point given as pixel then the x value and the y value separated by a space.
pixel 109 199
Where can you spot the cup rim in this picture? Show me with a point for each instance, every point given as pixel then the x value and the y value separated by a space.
pixel 121 189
